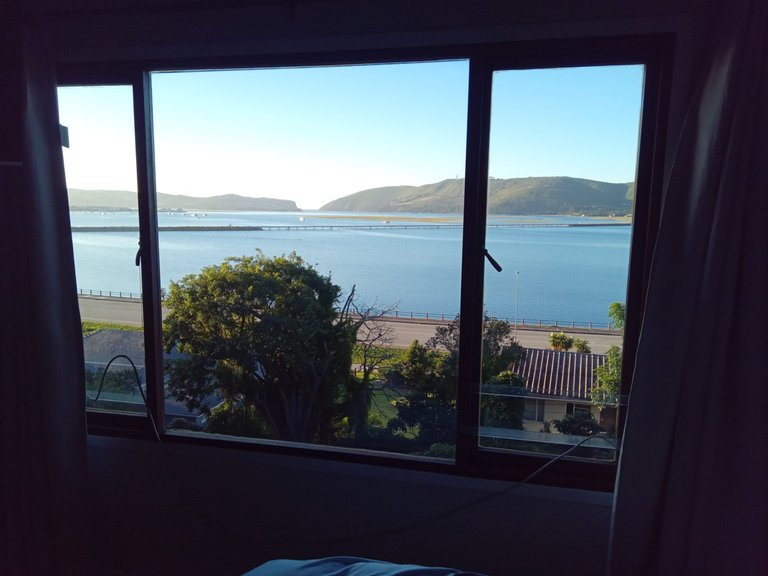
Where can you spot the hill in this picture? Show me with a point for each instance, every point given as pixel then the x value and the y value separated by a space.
pixel 537 195
pixel 124 200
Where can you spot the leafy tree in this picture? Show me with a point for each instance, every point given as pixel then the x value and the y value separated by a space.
pixel 605 390
pixel 503 410
pixel 507 378
pixel 428 410
pixel 582 346
pixel 431 371
pixel 560 341
pixel 500 350
pixel 579 424
pixel 617 311
pixel 421 369
pixel 265 333
pixel 236 420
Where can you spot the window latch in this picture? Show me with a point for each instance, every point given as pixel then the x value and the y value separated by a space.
pixel 492 260
pixel 138 255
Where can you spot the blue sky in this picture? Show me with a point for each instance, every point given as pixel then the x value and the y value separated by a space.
pixel 312 135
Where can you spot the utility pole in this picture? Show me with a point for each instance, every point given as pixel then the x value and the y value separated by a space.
pixel 517 298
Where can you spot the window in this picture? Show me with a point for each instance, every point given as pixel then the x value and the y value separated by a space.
pixel 562 163
pixel 100 168
pixel 334 164
pixel 533 410
pixel 584 410
pixel 316 234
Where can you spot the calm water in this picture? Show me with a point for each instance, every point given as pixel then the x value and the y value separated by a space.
pixel 565 274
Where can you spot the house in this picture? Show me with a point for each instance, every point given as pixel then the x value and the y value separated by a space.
pixel 122 505
pixel 557 385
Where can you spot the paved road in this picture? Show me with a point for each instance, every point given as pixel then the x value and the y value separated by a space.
pixel 114 310
pixel 405 332
pixel 125 311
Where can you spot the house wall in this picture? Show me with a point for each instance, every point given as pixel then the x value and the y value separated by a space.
pixel 553 410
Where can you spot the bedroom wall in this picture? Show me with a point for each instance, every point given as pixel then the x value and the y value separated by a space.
pixel 166 28
pixel 186 510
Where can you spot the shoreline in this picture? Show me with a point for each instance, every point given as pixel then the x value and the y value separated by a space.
pixel 385 225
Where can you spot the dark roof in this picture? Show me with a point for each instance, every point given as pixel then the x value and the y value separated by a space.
pixel 551 373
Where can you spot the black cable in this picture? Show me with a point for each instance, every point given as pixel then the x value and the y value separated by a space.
pixel 460 507
pixel 138 385
pixel 385 532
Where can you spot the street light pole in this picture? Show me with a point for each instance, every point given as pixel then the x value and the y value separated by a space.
pixel 517 298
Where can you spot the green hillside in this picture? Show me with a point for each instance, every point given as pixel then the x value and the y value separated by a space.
pixel 121 199
pixel 537 195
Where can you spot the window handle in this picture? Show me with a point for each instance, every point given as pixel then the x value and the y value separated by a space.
pixel 492 260
pixel 138 255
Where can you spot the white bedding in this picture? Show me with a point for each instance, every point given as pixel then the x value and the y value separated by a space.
pixel 349 566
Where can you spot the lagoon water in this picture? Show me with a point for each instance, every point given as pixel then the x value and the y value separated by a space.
pixel 568 274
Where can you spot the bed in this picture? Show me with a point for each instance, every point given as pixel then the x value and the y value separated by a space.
pixel 349 566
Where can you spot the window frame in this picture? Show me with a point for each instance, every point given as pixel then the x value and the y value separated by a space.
pixel 654 51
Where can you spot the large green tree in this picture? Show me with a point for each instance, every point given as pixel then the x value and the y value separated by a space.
pixel 266 335
pixel 502 404
pixel 500 349
pixel 428 410
pixel 431 374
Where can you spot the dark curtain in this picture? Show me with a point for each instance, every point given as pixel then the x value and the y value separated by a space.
pixel 692 492
pixel 44 513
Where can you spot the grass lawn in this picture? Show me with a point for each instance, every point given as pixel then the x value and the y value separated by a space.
pixel 89 327
pixel 381 403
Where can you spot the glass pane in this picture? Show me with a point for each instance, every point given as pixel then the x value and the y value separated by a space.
pixel 310 232
pixel 100 166
pixel 563 154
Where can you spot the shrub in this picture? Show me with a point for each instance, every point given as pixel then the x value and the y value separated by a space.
pixel 579 424
pixel 582 346
pixel 560 341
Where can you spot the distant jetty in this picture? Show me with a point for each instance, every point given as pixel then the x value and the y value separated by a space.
pixel 341 227
pixel 168 228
